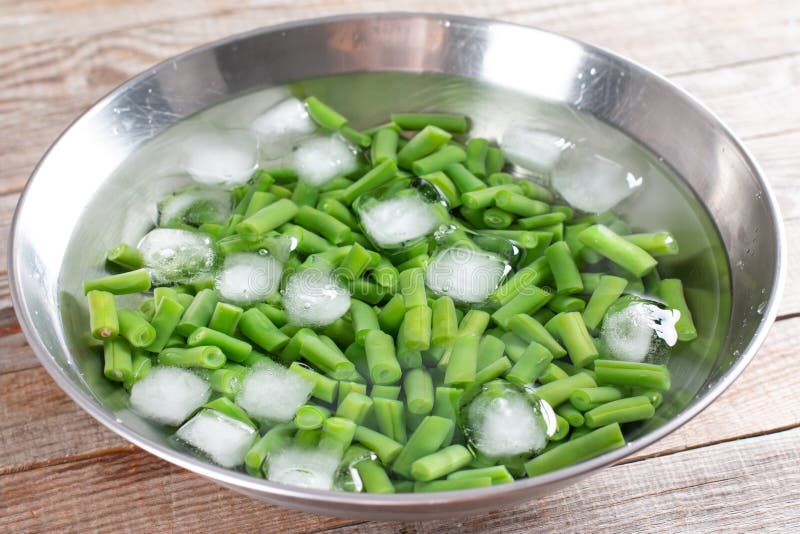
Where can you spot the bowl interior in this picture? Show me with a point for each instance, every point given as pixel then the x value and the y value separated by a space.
pixel 99 183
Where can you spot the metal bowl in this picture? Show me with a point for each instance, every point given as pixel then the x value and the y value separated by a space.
pixel 45 268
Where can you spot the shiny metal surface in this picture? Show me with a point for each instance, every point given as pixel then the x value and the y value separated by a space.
pixel 45 268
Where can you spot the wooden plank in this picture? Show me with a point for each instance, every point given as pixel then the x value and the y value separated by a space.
pixel 39 424
pixel 780 160
pixel 740 485
pixel 745 485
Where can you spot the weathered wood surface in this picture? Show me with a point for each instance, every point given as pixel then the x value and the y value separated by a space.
pixel 734 467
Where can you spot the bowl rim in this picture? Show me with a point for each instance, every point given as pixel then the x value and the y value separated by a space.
pixel 245 483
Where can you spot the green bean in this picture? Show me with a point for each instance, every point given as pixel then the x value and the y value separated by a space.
pixel 234 349
pixel 385 392
pixel 526 301
pixel 226 318
pixel 125 256
pixel 118 365
pixel 452 485
pixel 255 461
pixel 655 244
pixel 354 136
pixel 339 211
pixel 490 350
pixel 391 316
pixel 324 115
pixel 323 224
pixel 542 220
pixel 412 287
pixel 426 439
pixel 266 219
pixel 120 284
pixel 167 315
pixel 573 370
pixel 324 388
pixel 515 345
pixel 498 474
pixel 620 411
pixel 425 142
pixel 353 265
pixel 354 406
pixel 227 407
pixel 577 450
pixel 485 197
pixel 499 178
pixel 309 439
pixel 518 204
pixel 383 365
pixel 575 337
pixel 570 414
pixel 531 275
pixel 323 356
pixel 346 387
pixel 366 291
pixel 494 370
pixel 260 330
pixel 652 395
pixel 383 446
pixel 440 463
pixel 275 315
pixel 477 150
pixel 584 399
pixel 419 121
pixel 553 373
pixel 390 417
pixel 258 200
pixel 364 319
pixel 198 313
pixel 438 160
pixel 337 434
pixel 497 218
pixel 474 217
pixel 135 328
pixel 473 323
pixel 256 358
pixel 565 271
pixel 529 329
pixel 416 328
pixel 444 322
pixel 530 365
pixel 619 373
pixel 465 181
pixel 378 175
pixel 384 145
pixel 494 161
pixel 103 315
pixel 566 303
pixel 617 249
pixel 204 356
pixel 420 261
pixel 227 380
pixel 463 362
pixel 418 388
pixel 671 291
pixel 559 391
pixel 374 477
pixel 445 186
pixel 608 290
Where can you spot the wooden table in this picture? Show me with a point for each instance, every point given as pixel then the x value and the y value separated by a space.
pixel 734 467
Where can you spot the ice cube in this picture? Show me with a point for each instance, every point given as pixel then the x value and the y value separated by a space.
pixel 248 277
pixel 593 183
pixel 319 159
pixel 273 393
pixel 399 219
pixel 465 275
pixel 313 297
pixel 502 421
pixel 308 468
pixel 174 255
pixel 220 157
pixel 169 395
pixel 281 126
pixel 195 206
pixel 223 439
pixel 631 334
pixel 532 149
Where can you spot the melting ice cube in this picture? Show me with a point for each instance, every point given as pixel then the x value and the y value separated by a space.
pixel 309 468
pixel 535 150
pixel 248 277
pixel 273 393
pixel 169 395
pixel 225 440
pixel 465 275
pixel 282 126
pixel 396 220
pixel 195 206
pixel 320 159
pixel 632 333
pixel 220 157
pixel 312 297
pixel 176 255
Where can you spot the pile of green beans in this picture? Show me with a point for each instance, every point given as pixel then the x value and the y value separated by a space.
pixel 389 376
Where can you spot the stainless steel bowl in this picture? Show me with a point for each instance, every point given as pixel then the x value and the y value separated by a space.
pixel 529 62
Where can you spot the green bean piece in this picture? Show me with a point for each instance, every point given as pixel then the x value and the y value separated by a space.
pixel 135 328
pixel 266 219
pixel 566 303
pixel 291 351
pixel 529 329
pixel 324 356
pixel 381 359
pixel 391 316
pixel 584 399
pixel 494 161
pixel 445 186
pixel 438 160
pixel 226 318
pixel 378 175
pixel 337 434
pixel 446 404
pixel 655 243
pixel 418 388
pixel 198 313
pixel 103 315
pixel 383 446
pixel 323 224
pixel 590 282
pixel 477 150
pixel 575 337
pixel 553 373
pixel 140 367
pixel 497 218
pixel 515 345
pixel 391 418
pixel 531 275
pixel 386 275
pixel 619 373
pixel 364 320
pixel 416 328
pixel 671 291
pixel 324 115
pixel 474 217
pixel 625 254
pixel 324 389
pixel 620 411
pixel 346 387
pixel 521 205
pixel 204 356
pixel 419 121
pixel 366 291
pixel 120 284
pixel 279 436
pixel 559 391
pixel 257 327
pixel 256 358
pixel 354 136
pixel 498 474
pixel 339 211
pixel 374 477
pixel 353 265
pixel 565 271
pixel 463 362
pixel 452 485
pixel 225 406
pixel 526 301
pixel 655 397
pixel 473 323
pixel 539 221
pixel 425 142
pixel 577 450
pixel 573 416
pixel 167 315
pixel 499 178
pixel 385 392
pixel 494 370
pixel 228 379
pixel 484 197
pixel 340 331
pixel 354 406
pixel 530 365
pixel 275 315
pixel 420 261
pixel 412 287
pixel 609 289
pixel 117 362
pixel 309 439
pixel 440 463
pixel 384 145
pixel 465 181
pixel 258 200
pixel 426 439
pixel 125 256
pixel 490 350
pixel 234 349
